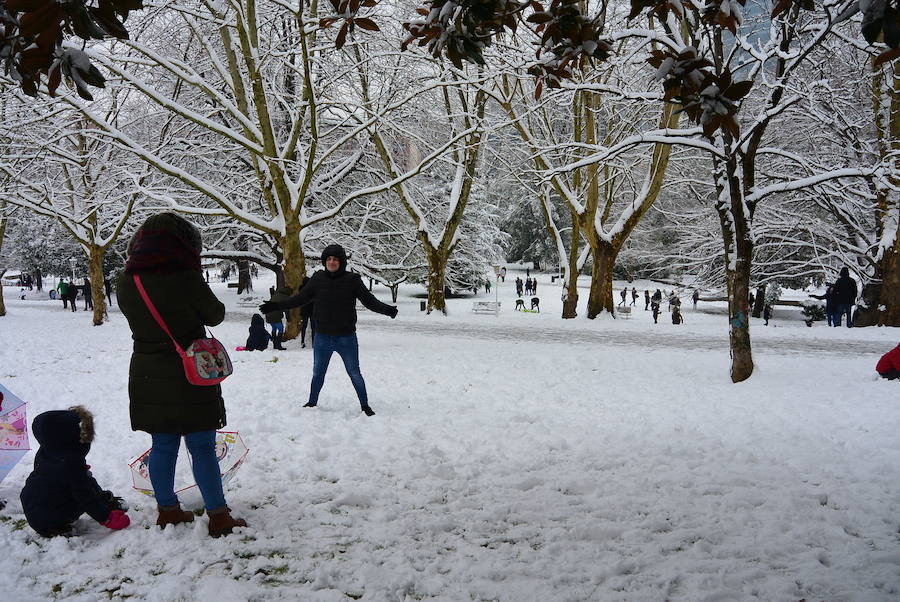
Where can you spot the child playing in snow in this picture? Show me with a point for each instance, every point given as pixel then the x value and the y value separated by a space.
pixel 61 488
pixel 259 338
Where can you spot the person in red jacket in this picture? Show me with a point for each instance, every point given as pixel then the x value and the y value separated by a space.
pixel 889 364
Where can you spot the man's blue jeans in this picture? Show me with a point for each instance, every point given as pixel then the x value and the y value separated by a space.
pixel 204 462
pixel 348 348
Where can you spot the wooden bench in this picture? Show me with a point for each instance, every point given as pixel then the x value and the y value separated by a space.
pixel 486 307
pixel 625 312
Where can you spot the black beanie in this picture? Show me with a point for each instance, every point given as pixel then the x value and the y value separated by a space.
pixel 335 251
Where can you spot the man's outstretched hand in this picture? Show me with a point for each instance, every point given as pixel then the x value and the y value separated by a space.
pixel 268 307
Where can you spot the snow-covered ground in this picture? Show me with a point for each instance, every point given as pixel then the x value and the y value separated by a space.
pixel 517 457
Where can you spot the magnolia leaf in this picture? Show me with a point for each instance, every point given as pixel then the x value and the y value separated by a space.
pixel 367 24
pixel 539 18
pixel 738 90
pixel 342 35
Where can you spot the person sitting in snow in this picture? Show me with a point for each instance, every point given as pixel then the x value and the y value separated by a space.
pixel 889 364
pixel 61 487
pixel 259 338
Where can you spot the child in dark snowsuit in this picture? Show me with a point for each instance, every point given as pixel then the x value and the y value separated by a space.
pixel 259 338
pixel 61 488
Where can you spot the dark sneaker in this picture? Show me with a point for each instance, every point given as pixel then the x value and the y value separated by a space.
pixel 309 404
pixel 368 411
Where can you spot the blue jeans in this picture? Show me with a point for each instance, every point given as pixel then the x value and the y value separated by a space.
pixel 277 327
pixel 204 462
pixel 348 348
pixel 843 308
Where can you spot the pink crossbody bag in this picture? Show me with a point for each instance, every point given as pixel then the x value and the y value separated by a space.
pixel 205 360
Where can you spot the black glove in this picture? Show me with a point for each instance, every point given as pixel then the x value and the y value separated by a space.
pixel 393 313
pixel 115 503
pixel 268 307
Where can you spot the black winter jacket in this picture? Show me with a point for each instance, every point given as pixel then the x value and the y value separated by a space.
pixel 258 339
pixel 334 296
pixel 845 290
pixel 61 488
pixel 161 398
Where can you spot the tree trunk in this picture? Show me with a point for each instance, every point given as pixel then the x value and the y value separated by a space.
pixel 2 271
pixel 437 276
pixel 294 274
pixel 395 289
pixel 570 303
pixel 738 245
pixel 601 296
pixel 738 315
pixel 95 274
pixel 38 280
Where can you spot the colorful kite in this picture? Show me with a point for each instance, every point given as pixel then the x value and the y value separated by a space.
pixel 231 451
pixel 13 431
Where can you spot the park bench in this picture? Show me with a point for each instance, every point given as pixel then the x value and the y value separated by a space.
pixel 486 307
pixel 624 312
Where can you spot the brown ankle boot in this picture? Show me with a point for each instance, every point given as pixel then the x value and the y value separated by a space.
pixel 173 515
pixel 221 523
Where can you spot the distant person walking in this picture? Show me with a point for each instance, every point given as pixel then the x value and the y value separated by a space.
pixel 646 299
pixel 830 309
pixel 518 287
pixel 767 314
pixel 845 292
pixel 72 294
pixel 623 294
pixel 634 295
pixel 88 295
pixel 107 287
pixel 534 285
pixel 63 289
pixel 655 303
pixel 695 297
pixel 334 292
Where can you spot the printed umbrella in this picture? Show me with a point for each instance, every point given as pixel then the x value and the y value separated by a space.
pixel 13 431
pixel 230 449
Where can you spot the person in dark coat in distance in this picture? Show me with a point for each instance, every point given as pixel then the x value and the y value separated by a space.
pixel 72 294
pixel 165 253
pixel 646 299
pixel 655 303
pixel 107 287
pixel 830 309
pixel 61 488
pixel 258 339
pixel 845 293
pixel 275 319
pixel 88 295
pixel 889 365
pixel 767 314
pixel 334 292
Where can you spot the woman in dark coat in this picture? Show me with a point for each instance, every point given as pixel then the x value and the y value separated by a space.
pixel 165 253
pixel 334 292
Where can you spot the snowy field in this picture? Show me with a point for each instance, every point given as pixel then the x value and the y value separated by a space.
pixel 517 457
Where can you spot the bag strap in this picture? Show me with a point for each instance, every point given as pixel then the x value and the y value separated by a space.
pixel 154 313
